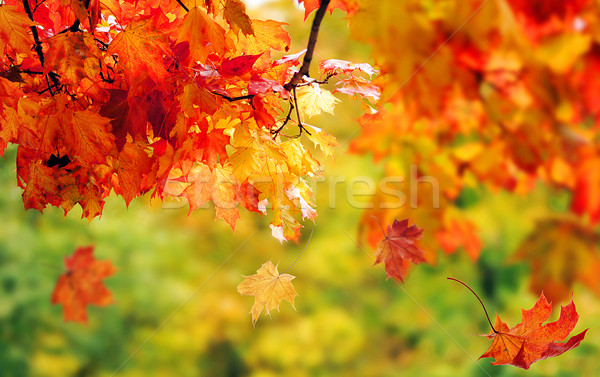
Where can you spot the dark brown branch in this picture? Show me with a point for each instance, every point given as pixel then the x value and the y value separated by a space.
pixel 38 44
pixel 285 122
pixel 302 128
pixel 233 99
pixel 183 5
pixel 312 41
pixel 73 28
pixel 37 5
pixel 30 72
pixel 34 31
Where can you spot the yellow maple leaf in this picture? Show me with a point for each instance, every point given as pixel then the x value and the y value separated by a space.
pixel 312 100
pixel 268 288
pixel 235 15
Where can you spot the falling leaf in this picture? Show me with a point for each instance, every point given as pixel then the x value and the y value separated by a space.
pixel 530 341
pixel 81 284
pixel 268 288
pixel 398 248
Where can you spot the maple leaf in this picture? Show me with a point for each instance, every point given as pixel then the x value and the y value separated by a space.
pixel 348 6
pixel 312 100
pixel 268 288
pixel 81 284
pixel 530 341
pixel 398 248
pixel 15 30
pixel 203 34
pixel 267 34
pixel 235 14
pixel 140 49
pixel 71 56
pixel 323 140
pixel 133 168
pixel 359 87
pixel 331 66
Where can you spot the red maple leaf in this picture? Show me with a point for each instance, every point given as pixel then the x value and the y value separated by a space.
pixel 398 248
pixel 530 341
pixel 81 284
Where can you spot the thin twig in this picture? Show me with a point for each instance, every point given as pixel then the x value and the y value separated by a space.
pixel 287 119
pixel 481 302
pixel 233 99
pixel 298 113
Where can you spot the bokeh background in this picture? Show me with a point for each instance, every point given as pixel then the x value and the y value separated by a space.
pixel 349 320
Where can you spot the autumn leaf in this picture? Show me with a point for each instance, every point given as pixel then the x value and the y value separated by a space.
pixel 71 56
pixel 15 30
pixel 530 340
pixel 82 285
pixel 268 288
pixel 348 6
pixel 398 248
pixel 235 14
pixel 140 49
pixel 203 34
pixel 312 100
pixel 332 66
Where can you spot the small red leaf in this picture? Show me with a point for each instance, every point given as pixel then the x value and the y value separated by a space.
pixel 398 248
pixel 81 284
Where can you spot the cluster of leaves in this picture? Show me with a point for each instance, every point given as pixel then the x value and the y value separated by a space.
pixel 163 97
pixel 493 94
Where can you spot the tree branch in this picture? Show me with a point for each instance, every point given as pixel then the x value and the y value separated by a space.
pixel 38 44
pixel 36 37
pixel 183 5
pixel 312 41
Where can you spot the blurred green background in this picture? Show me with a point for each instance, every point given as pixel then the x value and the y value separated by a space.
pixel 173 270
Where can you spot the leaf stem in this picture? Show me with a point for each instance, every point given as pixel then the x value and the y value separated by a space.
pixel 481 302
pixel 381 226
pixel 302 252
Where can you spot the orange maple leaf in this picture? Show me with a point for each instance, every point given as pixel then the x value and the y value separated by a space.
pixel 15 30
pixel 268 287
pixel 348 6
pixel 530 341
pixel 236 16
pixel 81 284
pixel 398 248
